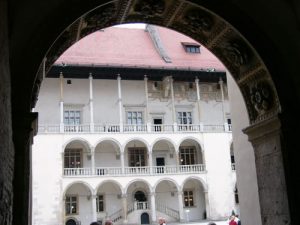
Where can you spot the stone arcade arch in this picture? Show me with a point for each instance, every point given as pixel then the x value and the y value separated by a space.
pixel 265 34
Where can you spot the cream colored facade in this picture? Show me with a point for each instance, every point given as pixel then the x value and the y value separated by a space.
pixel 132 151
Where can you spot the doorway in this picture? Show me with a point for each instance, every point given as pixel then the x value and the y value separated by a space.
pixel 160 163
pixel 145 218
pixel 157 124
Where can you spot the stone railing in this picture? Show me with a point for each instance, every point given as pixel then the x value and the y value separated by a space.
pixel 135 171
pixel 134 128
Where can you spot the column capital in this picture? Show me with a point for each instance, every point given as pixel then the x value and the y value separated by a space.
pixel 118 76
pixel 145 77
pixel 152 193
pixel 90 75
pixel 196 79
pixel 124 195
pixel 263 129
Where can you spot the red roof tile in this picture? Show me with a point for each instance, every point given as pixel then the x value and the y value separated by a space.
pixel 134 47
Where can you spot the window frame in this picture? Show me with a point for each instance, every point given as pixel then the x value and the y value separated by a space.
pixel 75 118
pixel 193 48
pixel 70 204
pixel 136 118
pixel 98 202
pixel 186 157
pixel 71 150
pixel 130 153
pixel 193 198
pixel 187 118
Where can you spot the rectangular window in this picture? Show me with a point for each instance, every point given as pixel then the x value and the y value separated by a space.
pixel 137 157
pixel 72 158
pixel 191 47
pixel 184 117
pixel 188 198
pixel 135 117
pixel 187 155
pixel 71 205
pixel 100 203
pixel 72 117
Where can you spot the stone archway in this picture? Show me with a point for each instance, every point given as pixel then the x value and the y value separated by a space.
pixel 242 61
pixel 254 83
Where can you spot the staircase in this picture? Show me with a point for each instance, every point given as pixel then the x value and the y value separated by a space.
pixel 163 208
pixel 116 216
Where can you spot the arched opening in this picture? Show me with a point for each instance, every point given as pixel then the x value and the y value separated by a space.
pixel 78 204
pixel 107 158
pixel 167 199
pixel 109 202
pixel 77 159
pixel 138 192
pixel 195 201
pixel 145 218
pixel 164 156
pixel 136 157
pixel 71 221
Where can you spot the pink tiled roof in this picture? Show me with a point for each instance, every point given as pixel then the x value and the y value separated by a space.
pixel 133 47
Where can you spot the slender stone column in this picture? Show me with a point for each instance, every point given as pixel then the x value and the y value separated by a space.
pixel 147 105
pixel 223 108
pixel 198 99
pixel 124 203
pixel 93 160
pixel 207 208
pixel 94 208
pixel 173 105
pixel 122 163
pixel 153 207
pixel 120 103
pixel 150 161
pixel 266 140
pixel 61 79
pixel 91 103
pixel 180 206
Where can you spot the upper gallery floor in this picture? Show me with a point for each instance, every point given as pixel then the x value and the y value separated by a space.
pixel 116 105
pixel 133 80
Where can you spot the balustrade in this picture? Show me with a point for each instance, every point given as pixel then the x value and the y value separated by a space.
pixel 130 171
pixel 134 128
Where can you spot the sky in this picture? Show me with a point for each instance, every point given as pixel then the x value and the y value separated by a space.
pixel 132 25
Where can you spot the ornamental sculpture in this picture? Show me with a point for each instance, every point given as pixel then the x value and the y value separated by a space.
pixel 150 8
pixel 236 52
pixel 261 97
pixel 198 20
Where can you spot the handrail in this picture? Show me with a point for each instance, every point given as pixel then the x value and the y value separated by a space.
pixel 135 171
pixel 133 128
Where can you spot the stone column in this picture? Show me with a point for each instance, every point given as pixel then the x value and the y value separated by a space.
pixel 180 206
pixel 124 203
pixel 173 105
pixel 122 162
pixel 266 140
pixel 148 123
pixel 198 100
pixel 153 207
pixel 91 103
pixel 94 208
pixel 223 108
pixel 120 103
pixel 150 161
pixel 24 128
pixel 61 80
pixel 93 161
